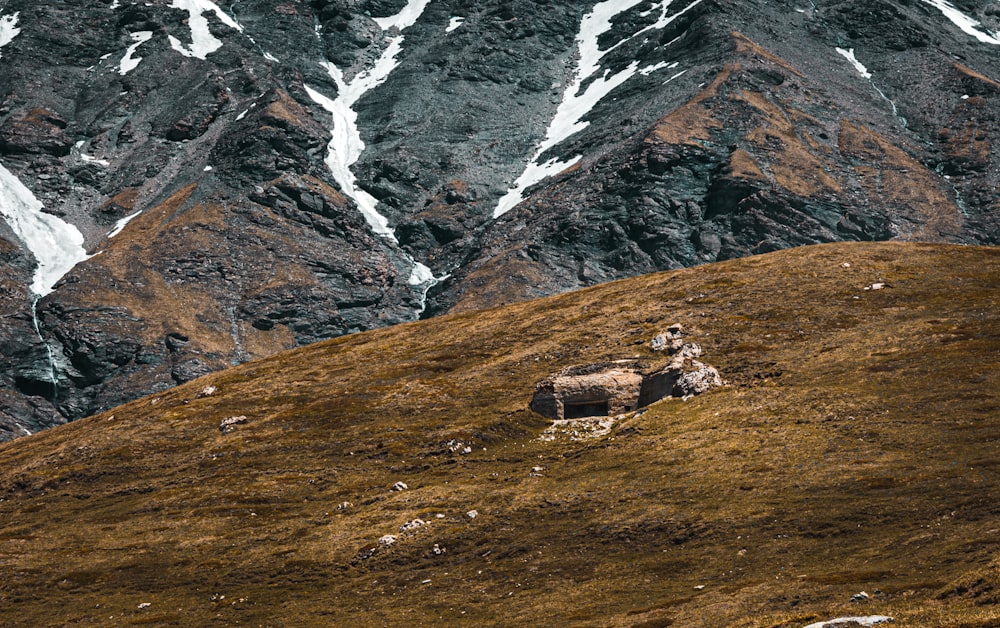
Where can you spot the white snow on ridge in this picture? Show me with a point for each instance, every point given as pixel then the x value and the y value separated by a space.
pixel 863 71
pixel 120 225
pixel 575 105
pixel 95 160
pixel 420 274
pixel 344 150
pixel 649 69
pixel 870 620
pixel 968 25
pixel 346 145
pixel 56 245
pixel 678 75
pixel 454 23
pixel 408 16
pixel 849 55
pixel 128 62
pixel 8 29
pixel 203 42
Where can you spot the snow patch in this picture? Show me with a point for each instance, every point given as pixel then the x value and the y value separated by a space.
pixel 649 69
pixel 203 42
pixel 661 22
pixel 405 18
pixel 8 29
pixel 94 160
pixel 678 75
pixel 863 71
pixel 421 274
pixel 270 57
pixel 114 5
pixel 967 25
pixel 120 225
pixel 56 245
pixel 849 55
pixel 344 150
pixel 128 62
pixel 870 620
pixel 454 23
pixel 346 145
pixel 575 105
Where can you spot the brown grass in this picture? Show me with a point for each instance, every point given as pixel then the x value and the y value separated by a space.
pixel 742 165
pixel 901 181
pixel 969 72
pixel 285 109
pixel 693 120
pixel 853 449
pixel 746 46
pixel 125 199
pixel 790 159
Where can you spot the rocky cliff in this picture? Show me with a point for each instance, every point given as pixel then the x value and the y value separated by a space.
pixel 254 175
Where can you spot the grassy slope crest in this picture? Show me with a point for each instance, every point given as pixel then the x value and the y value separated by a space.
pixel 853 448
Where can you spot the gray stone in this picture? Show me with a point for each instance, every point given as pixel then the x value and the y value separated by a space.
pixel 699 379
pixel 228 425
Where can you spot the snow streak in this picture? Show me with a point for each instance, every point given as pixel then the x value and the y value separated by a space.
pixel 863 71
pixel 128 62
pixel 578 101
pixel 120 225
pixel 968 25
pixel 346 145
pixel 849 55
pixel 56 245
pixel 203 42
pixel 8 29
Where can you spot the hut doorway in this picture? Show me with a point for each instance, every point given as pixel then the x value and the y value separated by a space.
pixel 580 410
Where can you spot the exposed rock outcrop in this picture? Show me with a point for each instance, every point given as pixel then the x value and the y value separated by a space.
pixel 614 388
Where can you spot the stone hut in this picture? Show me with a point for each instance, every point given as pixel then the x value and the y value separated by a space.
pixel 603 389
pixel 613 388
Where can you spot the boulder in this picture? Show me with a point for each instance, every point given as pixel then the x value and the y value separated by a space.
pixel 38 131
pixel 695 379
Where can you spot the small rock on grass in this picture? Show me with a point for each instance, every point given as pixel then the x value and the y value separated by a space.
pixel 228 425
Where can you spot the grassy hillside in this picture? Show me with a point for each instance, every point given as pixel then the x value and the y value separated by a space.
pixel 854 448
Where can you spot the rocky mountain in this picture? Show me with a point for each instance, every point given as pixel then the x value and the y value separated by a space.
pixel 188 185
pixel 847 468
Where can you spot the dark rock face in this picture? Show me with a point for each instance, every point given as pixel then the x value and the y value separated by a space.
pixel 741 130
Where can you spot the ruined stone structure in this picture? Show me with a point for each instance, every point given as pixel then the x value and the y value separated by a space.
pixel 613 388
pixel 589 390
